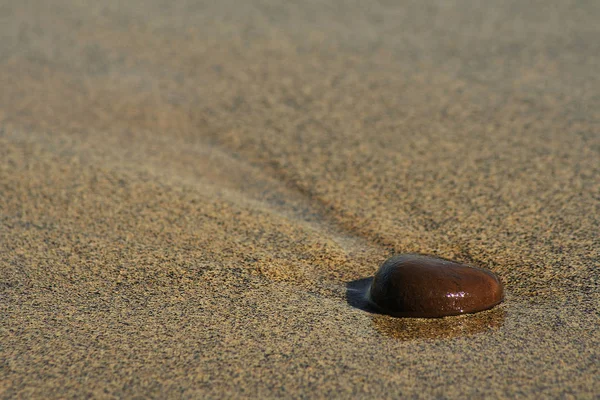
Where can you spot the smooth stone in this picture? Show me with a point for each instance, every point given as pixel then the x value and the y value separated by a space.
pixel 412 285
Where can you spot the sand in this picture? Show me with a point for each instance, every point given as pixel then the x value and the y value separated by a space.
pixel 187 191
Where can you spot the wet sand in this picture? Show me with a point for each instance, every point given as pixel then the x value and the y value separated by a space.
pixel 188 192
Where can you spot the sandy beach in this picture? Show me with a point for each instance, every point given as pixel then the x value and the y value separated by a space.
pixel 189 191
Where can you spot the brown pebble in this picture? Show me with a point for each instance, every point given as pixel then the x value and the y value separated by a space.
pixel 411 285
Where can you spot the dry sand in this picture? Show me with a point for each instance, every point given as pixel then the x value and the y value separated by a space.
pixel 186 190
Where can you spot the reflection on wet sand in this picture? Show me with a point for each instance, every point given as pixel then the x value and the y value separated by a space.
pixel 439 328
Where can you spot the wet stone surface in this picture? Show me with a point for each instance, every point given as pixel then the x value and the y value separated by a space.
pixel 412 285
